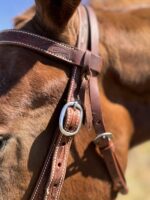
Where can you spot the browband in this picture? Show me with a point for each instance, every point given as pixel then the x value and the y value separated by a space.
pixel 85 57
pixel 61 51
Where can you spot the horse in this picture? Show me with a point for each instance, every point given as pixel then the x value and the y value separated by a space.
pixel 112 4
pixel 31 86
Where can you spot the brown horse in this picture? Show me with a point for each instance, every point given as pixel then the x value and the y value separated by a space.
pixel 31 86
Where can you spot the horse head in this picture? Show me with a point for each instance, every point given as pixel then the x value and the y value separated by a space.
pixel 32 87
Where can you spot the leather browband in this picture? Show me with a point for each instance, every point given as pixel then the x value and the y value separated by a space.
pixel 83 87
pixel 63 52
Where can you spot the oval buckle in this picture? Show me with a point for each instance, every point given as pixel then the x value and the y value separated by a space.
pixel 75 105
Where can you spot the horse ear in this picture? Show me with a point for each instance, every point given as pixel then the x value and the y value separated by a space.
pixel 57 12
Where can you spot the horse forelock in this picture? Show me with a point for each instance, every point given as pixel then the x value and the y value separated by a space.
pixel 125 37
pixel 21 20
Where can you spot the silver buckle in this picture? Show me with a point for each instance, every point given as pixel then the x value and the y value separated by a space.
pixel 75 105
pixel 103 136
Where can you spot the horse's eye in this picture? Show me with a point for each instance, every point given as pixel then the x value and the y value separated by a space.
pixel 3 141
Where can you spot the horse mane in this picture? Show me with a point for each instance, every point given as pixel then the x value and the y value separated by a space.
pixel 20 20
pixel 24 17
pixel 121 4
pixel 125 36
pixel 32 85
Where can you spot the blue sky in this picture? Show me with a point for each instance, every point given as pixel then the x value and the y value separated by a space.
pixel 10 8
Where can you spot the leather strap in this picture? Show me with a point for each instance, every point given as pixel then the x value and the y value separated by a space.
pixel 62 143
pixel 86 65
pixel 105 143
pixel 72 119
pixel 61 51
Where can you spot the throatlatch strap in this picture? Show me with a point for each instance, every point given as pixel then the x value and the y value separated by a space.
pixel 86 62
pixel 105 143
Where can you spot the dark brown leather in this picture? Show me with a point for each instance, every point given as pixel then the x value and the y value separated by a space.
pixel 62 144
pixel 105 143
pixel 63 52
pixel 86 65
pixel 72 118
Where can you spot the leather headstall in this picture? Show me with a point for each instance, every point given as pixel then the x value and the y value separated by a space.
pixel 83 90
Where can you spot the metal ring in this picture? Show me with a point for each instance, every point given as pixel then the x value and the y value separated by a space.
pixel 75 105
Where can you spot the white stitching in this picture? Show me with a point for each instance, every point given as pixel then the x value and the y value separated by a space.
pixel 67 150
pixel 36 48
pixel 43 172
pixel 77 119
pixel 53 168
pixel 68 119
pixel 38 36
pixel 63 171
pixel 69 97
pixel 72 83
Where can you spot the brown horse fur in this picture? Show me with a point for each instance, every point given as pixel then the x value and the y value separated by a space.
pixel 22 19
pixel 31 86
